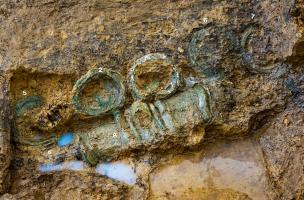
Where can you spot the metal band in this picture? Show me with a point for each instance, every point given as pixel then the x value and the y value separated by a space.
pixel 115 101
pixel 168 90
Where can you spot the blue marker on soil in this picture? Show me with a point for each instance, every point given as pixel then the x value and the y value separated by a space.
pixel 65 139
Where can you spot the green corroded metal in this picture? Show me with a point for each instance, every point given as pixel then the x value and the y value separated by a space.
pixel 123 134
pixel 209 46
pixel 27 104
pixel 148 91
pixel 137 116
pixel 186 108
pixel 247 36
pixel 91 157
pixel 114 101
pixel 44 143
pixel 145 124
pixel 255 63
pixel 36 139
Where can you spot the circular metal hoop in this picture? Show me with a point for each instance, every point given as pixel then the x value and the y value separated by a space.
pixel 256 62
pixel 166 91
pixel 208 48
pixel 104 107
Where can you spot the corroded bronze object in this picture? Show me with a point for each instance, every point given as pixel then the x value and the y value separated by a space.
pixel 35 137
pixel 209 47
pixel 100 91
pixel 150 125
pixel 164 120
pixel 254 51
pixel 27 104
pixel 153 76
pixel 160 116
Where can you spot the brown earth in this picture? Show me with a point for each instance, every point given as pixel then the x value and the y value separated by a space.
pixel 255 79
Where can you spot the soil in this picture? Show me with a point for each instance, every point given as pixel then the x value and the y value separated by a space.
pixel 248 54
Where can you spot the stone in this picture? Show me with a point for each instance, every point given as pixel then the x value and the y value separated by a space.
pixel 283 153
pixel 5 144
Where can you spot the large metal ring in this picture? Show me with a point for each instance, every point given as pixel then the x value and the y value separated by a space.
pixel 155 64
pixel 109 81
pixel 209 47
pixel 256 54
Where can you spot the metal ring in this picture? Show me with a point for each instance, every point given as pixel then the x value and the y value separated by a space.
pixel 114 101
pixel 208 48
pixel 27 104
pixel 167 90
pixel 257 63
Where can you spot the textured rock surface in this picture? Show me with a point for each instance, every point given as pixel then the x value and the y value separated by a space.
pixel 282 144
pixel 248 54
pixel 5 137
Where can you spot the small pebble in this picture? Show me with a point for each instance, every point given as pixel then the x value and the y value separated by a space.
pixel 205 20
pixel 181 50
pixel 286 121
pixel 33 83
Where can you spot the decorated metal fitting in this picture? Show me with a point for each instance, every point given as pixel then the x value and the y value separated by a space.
pixel 150 125
pixel 209 47
pixel 255 51
pixel 142 122
pixel 189 108
pixel 153 76
pixel 100 91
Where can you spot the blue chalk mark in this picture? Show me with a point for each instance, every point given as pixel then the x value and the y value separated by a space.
pixel 65 139
pixel 117 171
pixel 50 167
pixel 74 165
pixel 71 165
